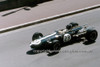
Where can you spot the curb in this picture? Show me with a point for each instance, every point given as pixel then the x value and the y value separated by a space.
pixel 48 19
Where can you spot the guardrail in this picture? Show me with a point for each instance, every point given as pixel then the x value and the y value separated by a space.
pixel 48 19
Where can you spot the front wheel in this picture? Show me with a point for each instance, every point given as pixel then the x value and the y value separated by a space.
pixel 56 47
pixel 91 35
pixel 37 35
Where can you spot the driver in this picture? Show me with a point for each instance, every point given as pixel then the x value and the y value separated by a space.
pixel 68 27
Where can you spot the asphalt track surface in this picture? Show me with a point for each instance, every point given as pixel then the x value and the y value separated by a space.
pixel 15 44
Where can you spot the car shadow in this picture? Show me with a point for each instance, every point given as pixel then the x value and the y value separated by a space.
pixel 88 43
pixel 30 52
pixel 52 54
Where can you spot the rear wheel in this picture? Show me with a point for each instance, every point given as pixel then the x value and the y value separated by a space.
pixel 91 35
pixel 37 35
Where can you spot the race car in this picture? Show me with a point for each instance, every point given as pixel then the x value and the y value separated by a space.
pixel 54 41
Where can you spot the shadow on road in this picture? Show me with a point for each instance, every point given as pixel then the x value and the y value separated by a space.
pixel 26 7
pixel 30 52
pixel 88 43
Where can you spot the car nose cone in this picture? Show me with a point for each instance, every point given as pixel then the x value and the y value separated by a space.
pixel 36 42
pixel 33 46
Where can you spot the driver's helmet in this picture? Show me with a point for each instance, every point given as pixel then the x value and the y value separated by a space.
pixel 74 24
pixel 69 26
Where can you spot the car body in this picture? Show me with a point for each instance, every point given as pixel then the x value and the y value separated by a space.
pixel 55 40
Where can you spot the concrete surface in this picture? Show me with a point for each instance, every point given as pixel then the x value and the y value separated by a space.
pixel 15 44
pixel 47 9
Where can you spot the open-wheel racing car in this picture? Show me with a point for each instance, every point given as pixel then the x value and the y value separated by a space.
pixel 54 41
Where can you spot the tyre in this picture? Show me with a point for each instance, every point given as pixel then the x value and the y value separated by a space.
pixel 91 35
pixel 37 35
pixel 56 46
